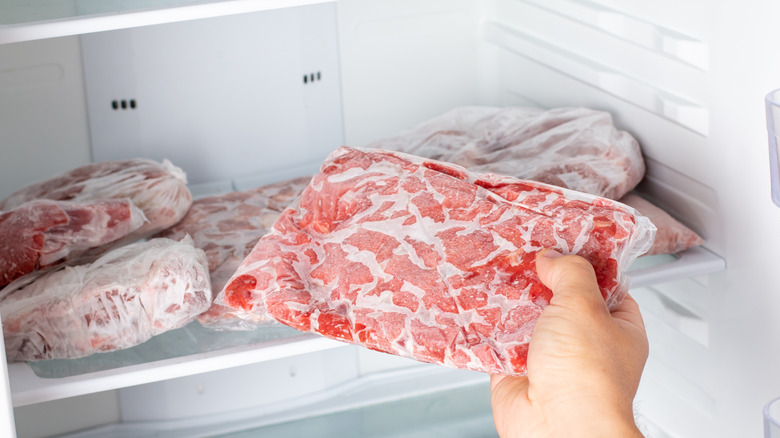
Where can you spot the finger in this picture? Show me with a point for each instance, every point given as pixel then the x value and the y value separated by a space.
pixel 628 310
pixel 570 277
pixel 507 386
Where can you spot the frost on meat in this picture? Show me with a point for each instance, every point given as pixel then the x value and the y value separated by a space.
pixel 158 189
pixel 124 298
pixel 575 148
pixel 42 233
pixel 426 260
pixel 226 227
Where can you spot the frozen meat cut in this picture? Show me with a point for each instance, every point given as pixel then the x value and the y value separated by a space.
pixel 425 259
pixel 226 227
pixel 42 233
pixel 671 236
pixel 122 299
pixel 576 148
pixel 158 189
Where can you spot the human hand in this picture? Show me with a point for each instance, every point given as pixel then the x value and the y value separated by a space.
pixel 584 364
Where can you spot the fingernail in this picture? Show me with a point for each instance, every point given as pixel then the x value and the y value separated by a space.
pixel 551 253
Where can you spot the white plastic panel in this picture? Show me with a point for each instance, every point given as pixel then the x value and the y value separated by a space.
pixel 27 21
pixel 240 388
pixel 614 60
pixel 402 386
pixel 405 61
pixel 245 95
pixel 43 124
pixel 636 30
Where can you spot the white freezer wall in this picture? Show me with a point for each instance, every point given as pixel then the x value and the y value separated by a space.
pixel 687 79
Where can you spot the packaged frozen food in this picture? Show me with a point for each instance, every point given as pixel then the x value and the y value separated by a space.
pixel 226 227
pixel 42 233
pixel 671 236
pixel 158 189
pixel 427 260
pixel 575 148
pixel 121 300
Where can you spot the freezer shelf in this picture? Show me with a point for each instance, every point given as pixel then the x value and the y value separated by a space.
pixel 432 400
pixel 28 21
pixel 194 350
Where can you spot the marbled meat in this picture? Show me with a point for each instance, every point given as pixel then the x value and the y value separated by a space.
pixel 425 259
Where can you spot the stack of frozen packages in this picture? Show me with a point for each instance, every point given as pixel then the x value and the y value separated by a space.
pixel 575 148
pixel 227 227
pixel 74 282
pixel 427 260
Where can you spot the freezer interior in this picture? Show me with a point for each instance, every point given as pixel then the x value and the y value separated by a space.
pixel 245 93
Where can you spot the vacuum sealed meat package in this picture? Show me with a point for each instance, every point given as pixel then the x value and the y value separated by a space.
pixel 158 189
pixel 121 300
pixel 226 227
pixel 42 233
pixel 428 260
pixel 575 148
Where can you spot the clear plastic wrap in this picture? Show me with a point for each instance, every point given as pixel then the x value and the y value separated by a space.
pixel 122 299
pixel 671 236
pixel 574 148
pixel 158 189
pixel 42 233
pixel 425 259
pixel 226 227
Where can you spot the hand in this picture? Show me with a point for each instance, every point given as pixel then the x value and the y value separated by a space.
pixel 584 364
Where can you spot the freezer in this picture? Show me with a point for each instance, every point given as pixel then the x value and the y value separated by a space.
pixel 241 94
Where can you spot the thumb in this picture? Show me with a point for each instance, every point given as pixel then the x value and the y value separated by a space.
pixel 571 278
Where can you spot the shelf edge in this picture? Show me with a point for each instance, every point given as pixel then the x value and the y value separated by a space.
pixel 14 33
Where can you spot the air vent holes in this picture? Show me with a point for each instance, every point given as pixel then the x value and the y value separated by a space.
pixel 123 104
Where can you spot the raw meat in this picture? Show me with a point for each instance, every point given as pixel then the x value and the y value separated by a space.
pixel 424 259
pixel 127 296
pixel 43 233
pixel 158 189
pixel 227 227
pixel 671 236
pixel 575 148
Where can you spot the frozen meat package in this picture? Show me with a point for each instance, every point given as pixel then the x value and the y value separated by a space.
pixel 226 227
pixel 42 233
pixel 425 259
pixel 122 299
pixel 158 189
pixel 571 147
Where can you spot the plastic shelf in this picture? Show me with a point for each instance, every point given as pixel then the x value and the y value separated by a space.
pixel 29 21
pixel 193 349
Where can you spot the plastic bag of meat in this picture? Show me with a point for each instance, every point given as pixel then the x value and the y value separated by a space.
pixel 158 189
pixel 575 148
pixel 427 260
pixel 42 233
pixel 671 236
pixel 124 298
pixel 226 227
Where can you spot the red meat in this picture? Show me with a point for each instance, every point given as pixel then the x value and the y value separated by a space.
pixel 158 189
pixel 122 299
pixel 42 233
pixel 424 259
pixel 226 227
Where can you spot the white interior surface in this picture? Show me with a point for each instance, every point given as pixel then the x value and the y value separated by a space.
pixel 216 108
pixel 712 367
